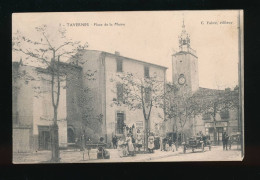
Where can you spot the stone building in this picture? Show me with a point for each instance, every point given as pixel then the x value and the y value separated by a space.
pixel 32 109
pixel 102 90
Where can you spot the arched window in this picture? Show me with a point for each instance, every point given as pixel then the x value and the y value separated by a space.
pixel 71 135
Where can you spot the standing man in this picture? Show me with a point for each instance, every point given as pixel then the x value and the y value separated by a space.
pixel 114 141
pixel 139 140
pixel 225 140
pixel 170 143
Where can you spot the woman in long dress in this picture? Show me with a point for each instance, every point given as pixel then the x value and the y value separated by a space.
pixel 151 142
pixel 130 144
pixel 120 147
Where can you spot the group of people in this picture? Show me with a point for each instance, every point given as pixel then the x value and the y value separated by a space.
pixel 128 145
pixel 225 141
pixel 102 152
pixel 125 146
pixel 167 144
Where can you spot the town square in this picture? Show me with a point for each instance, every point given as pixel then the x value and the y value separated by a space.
pixel 85 91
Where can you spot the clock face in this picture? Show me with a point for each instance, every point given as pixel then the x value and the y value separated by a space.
pixel 181 80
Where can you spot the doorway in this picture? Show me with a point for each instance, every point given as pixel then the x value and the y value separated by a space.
pixel 71 136
pixel 44 138
pixel 219 135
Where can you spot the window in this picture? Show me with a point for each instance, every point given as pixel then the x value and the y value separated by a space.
pixel 206 116
pixel 120 92
pixel 119 65
pixel 146 72
pixel 224 114
pixel 120 117
pixel 147 94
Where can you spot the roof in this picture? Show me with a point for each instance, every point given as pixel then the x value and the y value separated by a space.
pixel 204 92
pixel 185 52
pixel 44 70
pixel 143 62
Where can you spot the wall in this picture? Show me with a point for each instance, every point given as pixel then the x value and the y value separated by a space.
pixel 232 122
pixel 137 68
pixel 187 64
pixel 75 98
pixel 90 61
pixel 34 107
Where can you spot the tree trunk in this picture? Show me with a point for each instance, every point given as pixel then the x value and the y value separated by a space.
pixel 55 139
pixel 146 135
pixel 215 131
pixel 177 141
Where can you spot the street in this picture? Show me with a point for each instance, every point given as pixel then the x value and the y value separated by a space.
pixel 216 154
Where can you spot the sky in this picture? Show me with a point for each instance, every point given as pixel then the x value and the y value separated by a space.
pixel 151 36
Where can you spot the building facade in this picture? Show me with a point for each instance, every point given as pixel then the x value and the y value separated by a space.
pixel 104 89
pixel 32 110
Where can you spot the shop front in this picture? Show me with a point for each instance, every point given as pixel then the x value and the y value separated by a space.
pixel 221 126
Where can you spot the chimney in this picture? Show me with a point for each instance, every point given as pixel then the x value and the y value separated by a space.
pixel 117 53
pixel 21 61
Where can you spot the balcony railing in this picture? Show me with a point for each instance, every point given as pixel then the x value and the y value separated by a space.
pixel 188 49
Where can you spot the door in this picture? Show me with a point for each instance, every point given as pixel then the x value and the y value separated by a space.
pixel 44 138
pixel 71 136
pixel 219 134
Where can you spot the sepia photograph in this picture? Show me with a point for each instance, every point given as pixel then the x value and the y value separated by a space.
pixel 127 86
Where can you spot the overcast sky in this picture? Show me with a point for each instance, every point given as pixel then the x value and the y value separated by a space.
pixel 153 37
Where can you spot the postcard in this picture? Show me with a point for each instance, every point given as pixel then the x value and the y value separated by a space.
pixel 127 86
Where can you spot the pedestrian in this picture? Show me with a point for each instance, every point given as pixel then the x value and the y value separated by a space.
pixel 151 142
pixel 139 140
pixel 88 146
pixel 161 143
pixel 167 144
pixel 170 143
pixel 120 147
pixel 102 152
pixel 224 140
pixel 130 144
pixel 114 141
pixel 82 142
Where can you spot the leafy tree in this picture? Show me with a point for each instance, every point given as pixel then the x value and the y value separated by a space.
pixel 48 50
pixel 180 107
pixel 140 93
pixel 214 102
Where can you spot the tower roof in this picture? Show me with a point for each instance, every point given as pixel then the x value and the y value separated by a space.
pixel 184 38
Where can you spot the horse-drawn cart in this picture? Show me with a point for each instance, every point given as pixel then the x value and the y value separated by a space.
pixel 197 142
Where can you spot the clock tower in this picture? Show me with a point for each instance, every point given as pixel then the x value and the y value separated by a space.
pixel 185 64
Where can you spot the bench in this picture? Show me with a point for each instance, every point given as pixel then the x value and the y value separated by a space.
pixel 95 146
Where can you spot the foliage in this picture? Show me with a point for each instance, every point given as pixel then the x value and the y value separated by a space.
pixel 140 93
pixel 47 51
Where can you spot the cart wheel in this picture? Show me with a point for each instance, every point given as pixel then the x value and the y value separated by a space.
pixel 202 147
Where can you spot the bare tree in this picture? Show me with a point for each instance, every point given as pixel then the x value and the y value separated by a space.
pixel 140 93
pixel 48 50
